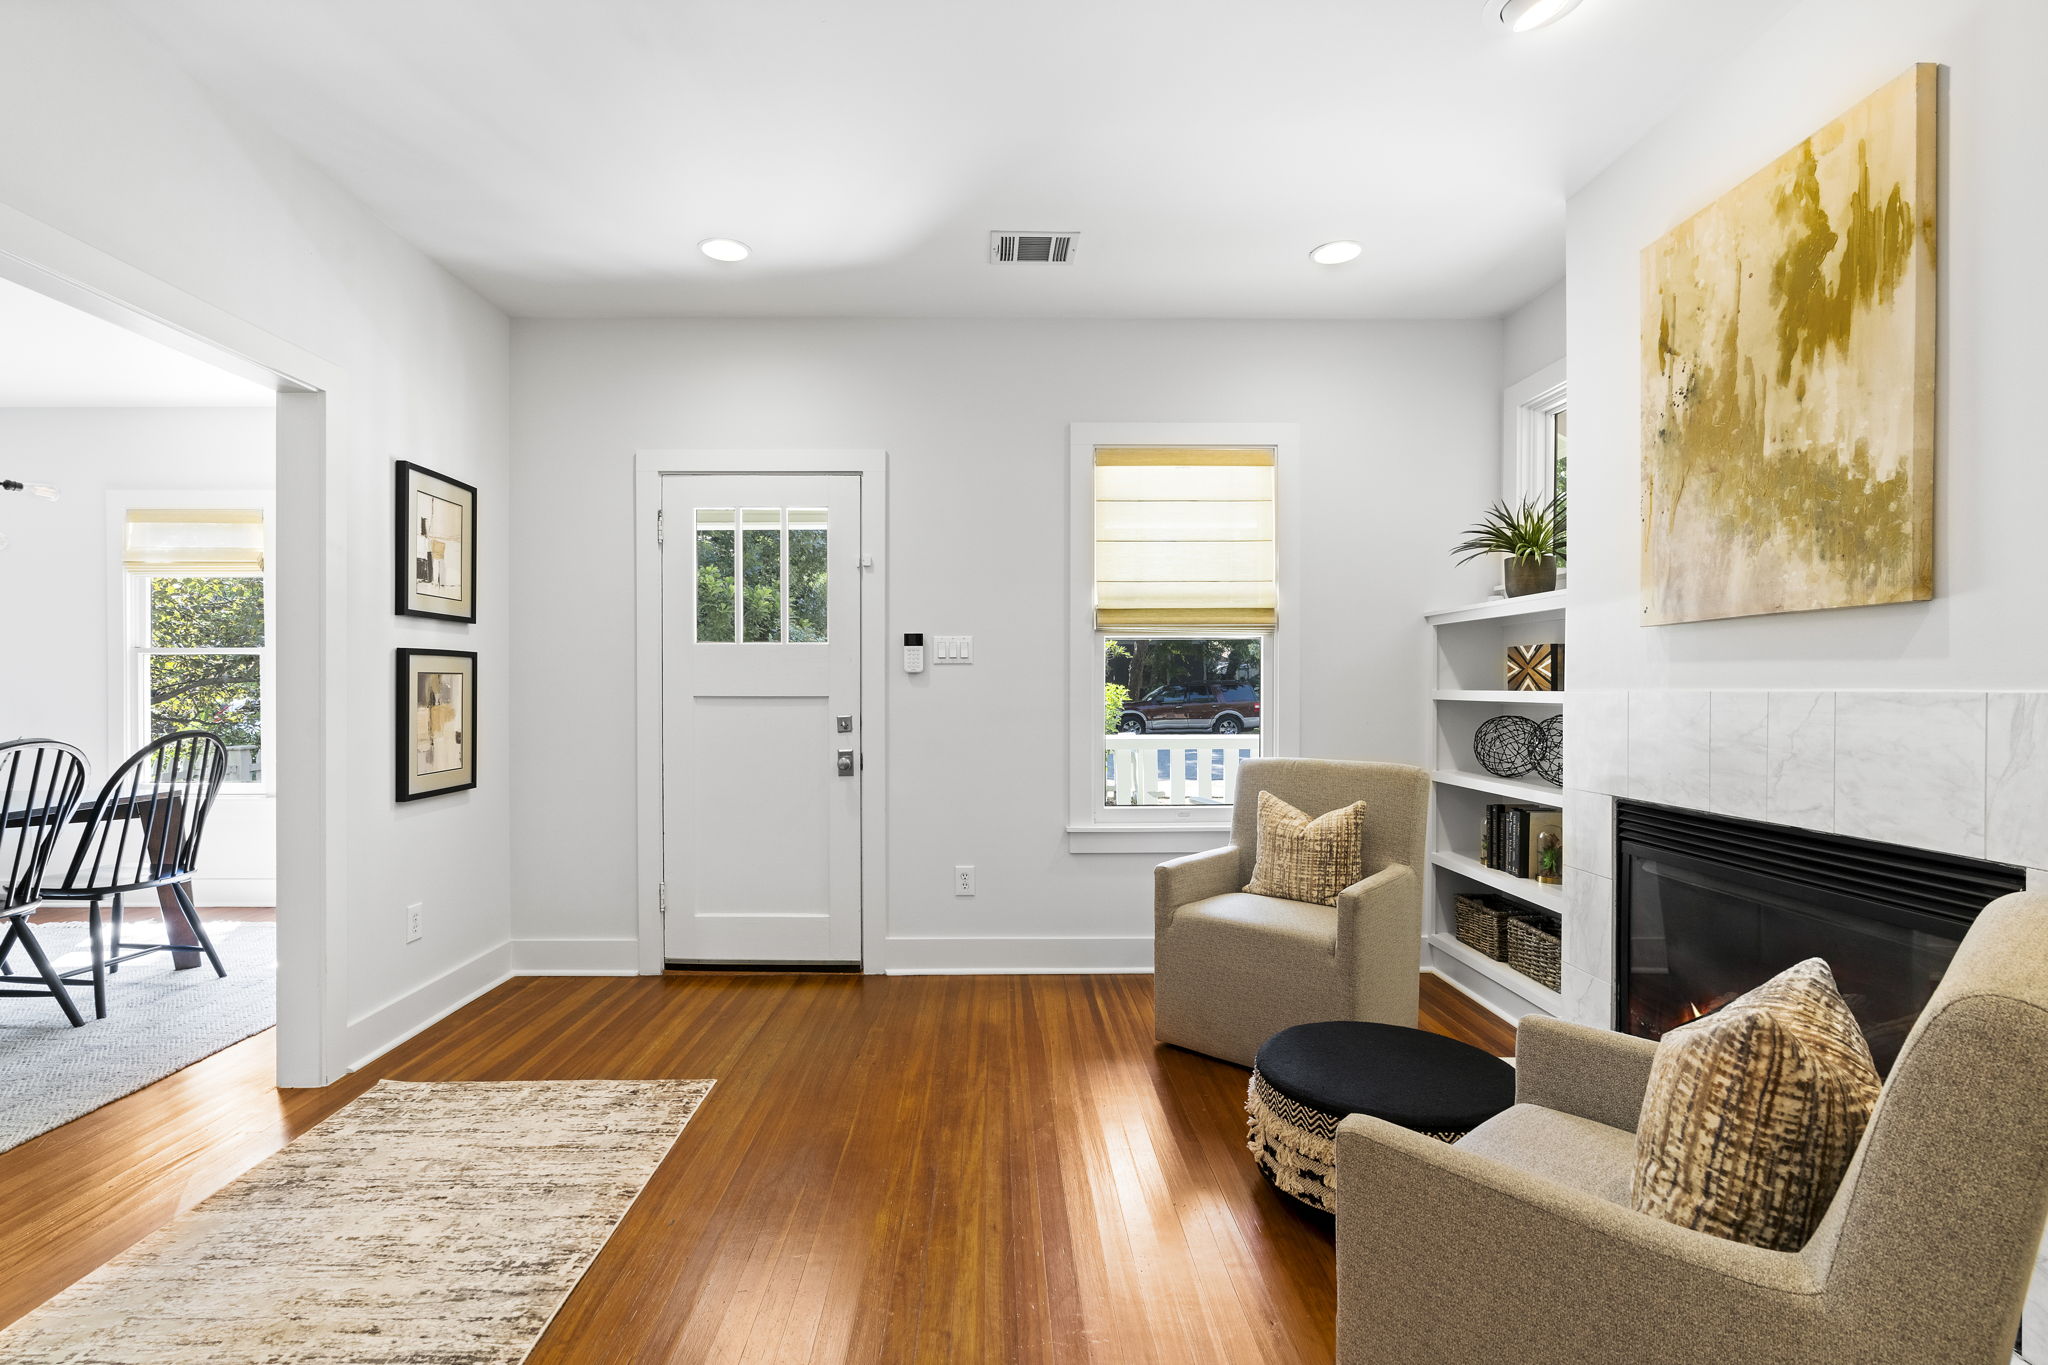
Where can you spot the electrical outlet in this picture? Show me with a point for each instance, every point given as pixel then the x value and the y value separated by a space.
pixel 963 879
pixel 414 915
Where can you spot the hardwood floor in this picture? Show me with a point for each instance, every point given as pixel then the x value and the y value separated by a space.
pixel 891 1169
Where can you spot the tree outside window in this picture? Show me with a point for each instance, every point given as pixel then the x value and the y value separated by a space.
pixel 205 640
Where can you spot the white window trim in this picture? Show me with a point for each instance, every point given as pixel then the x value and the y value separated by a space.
pixel 1091 826
pixel 1526 410
pixel 125 730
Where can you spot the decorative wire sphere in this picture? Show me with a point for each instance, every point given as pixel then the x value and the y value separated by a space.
pixel 1507 746
pixel 1550 751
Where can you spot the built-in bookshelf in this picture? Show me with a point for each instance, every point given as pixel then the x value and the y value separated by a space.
pixel 1466 686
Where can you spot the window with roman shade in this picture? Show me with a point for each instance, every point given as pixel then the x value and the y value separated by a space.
pixel 193 540
pixel 1184 536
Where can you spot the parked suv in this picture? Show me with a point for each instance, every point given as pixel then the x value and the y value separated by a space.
pixel 1229 708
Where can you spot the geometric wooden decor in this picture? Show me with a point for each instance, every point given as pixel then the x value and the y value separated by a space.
pixel 1535 668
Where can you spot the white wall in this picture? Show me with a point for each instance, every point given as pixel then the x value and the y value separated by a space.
pixel 65 556
pixel 114 147
pixel 1400 424
pixel 1533 336
pixel 1983 628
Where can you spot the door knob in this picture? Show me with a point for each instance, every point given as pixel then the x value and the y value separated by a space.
pixel 846 763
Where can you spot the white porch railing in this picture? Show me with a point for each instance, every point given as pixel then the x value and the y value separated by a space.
pixel 1173 770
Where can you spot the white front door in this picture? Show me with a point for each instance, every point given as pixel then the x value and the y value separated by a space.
pixel 761 717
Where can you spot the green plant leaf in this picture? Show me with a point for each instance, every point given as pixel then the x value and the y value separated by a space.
pixel 1530 532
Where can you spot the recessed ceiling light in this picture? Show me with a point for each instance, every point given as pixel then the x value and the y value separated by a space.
pixel 724 249
pixel 1523 15
pixel 1336 253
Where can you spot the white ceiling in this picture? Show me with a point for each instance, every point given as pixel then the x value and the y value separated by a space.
pixel 567 155
pixel 55 356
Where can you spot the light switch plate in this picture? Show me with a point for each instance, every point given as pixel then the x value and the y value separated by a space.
pixel 955 649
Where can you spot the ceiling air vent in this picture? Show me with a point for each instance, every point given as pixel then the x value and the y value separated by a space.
pixel 1023 248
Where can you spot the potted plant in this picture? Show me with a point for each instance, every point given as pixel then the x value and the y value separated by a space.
pixel 1531 537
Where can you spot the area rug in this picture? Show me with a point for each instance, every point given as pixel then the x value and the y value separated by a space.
pixel 436 1222
pixel 158 1021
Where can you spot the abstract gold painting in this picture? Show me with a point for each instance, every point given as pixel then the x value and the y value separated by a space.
pixel 1788 378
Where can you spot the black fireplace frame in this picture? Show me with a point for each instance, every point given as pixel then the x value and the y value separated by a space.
pixel 1899 883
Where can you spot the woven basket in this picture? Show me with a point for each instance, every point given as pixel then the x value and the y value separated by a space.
pixel 1482 926
pixel 1536 951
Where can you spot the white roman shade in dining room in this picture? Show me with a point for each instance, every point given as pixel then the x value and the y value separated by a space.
pixel 193 540
pixel 1184 536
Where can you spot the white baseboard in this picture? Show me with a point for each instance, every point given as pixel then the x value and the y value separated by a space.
pixel 371 1035
pixel 1014 956
pixel 255 892
pixel 575 956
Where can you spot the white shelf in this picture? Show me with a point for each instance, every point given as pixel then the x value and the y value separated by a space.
pixel 1514 789
pixel 1535 606
pixel 1468 645
pixel 1537 994
pixel 1543 895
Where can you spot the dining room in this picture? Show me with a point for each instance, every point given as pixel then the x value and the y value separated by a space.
pixel 137 526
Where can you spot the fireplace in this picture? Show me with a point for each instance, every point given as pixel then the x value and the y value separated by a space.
pixel 1707 907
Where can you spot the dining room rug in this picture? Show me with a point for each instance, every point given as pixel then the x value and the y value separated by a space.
pixel 159 1020
pixel 425 1221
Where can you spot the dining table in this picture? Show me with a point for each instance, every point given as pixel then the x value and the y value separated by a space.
pixel 160 827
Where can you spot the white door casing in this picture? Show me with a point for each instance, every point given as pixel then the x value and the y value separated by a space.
pixel 762 724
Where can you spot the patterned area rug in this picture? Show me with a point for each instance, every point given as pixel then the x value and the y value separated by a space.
pixel 439 1222
pixel 159 1020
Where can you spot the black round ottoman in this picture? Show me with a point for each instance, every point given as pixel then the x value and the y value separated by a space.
pixel 1309 1078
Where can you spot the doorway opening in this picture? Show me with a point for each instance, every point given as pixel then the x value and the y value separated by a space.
pixel 144 545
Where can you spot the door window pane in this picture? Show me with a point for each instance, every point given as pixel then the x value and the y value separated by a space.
pixel 205 613
pixel 1178 717
pixel 715 620
pixel 807 577
pixel 221 694
pixel 761 575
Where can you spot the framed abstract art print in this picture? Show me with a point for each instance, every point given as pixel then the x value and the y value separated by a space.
pixel 436 545
pixel 436 715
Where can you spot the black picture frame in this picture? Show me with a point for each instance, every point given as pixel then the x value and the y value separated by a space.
pixel 408 480
pixel 405 780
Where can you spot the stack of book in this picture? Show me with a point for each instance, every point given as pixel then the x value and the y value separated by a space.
pixel 1513 840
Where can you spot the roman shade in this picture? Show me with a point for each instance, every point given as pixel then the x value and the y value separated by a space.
pixel 193 540
pixel 1184 536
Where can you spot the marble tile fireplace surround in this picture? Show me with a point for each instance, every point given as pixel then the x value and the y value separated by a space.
pixel 1956 772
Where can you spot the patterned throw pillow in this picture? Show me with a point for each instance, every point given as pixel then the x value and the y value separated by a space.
pixel 1753 1112
pixel 1307 860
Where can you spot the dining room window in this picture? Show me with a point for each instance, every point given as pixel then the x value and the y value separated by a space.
pixel 198 631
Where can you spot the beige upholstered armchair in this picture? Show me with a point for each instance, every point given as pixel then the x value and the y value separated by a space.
pixel 1231 969
pixel 1517 1244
